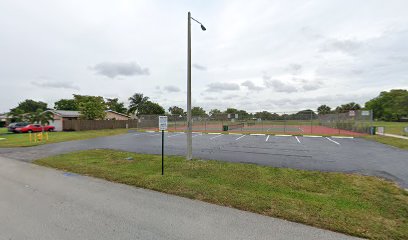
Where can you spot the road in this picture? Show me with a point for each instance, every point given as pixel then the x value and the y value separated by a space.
pixel 41 203
pixel 310 153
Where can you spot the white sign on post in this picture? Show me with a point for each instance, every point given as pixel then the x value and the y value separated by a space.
pixel 162 123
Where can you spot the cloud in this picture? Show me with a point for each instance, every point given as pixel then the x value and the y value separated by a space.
pixel 278 85
pixel 251 86
pixel 66 85
pixel 171 88
pixel 112 70
pixel 295 69
pixel 231 96
pixel 346 46
pixel 219 87
pixel 199 67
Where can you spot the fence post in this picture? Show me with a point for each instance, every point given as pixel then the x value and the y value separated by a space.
pixel 311 121
pixel 284 123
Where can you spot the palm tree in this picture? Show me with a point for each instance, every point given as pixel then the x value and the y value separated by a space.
pixel 136 103
pixel 40 116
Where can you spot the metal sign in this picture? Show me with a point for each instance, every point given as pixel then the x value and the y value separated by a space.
pixel 380 130
pixel 365 113
pixel 162 123
pixel 406 129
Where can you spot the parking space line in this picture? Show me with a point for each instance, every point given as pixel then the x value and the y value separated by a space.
pixel 297 139
pixel 174 135
pixel 331 140
pixel 257 134
pixel 240 137
pixel 216 136
pixel 312 136
pixel 267 138
pixel 197 135
pixel 282 135
pixel 342 137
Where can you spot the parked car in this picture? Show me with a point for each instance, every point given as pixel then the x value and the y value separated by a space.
pixel 34 128
pixel 12 126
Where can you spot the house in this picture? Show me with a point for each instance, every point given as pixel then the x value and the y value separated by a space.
pixel 61 115
pixel 4 119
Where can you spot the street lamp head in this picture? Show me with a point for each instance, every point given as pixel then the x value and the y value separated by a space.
pixel 203 28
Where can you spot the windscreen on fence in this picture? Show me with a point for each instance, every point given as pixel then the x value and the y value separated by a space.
pixel 297 123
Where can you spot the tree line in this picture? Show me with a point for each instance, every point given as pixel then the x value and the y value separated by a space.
pixel 388 106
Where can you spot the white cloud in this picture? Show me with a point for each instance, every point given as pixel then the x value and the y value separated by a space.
pixel 199 67
pixel 222 86
pixel 114 69
pixel 66 85
pixel 251 86
pixel 170 88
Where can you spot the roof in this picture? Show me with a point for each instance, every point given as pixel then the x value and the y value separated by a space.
pixel 66 113
pixel 118 113
pixel 72 114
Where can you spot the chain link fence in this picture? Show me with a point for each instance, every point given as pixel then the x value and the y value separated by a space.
pixel 351 123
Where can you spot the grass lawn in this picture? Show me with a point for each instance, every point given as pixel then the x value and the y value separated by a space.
pixel 396 142
pixel 353 204
pixel 22 139
pixel 3 130
pixel 393 127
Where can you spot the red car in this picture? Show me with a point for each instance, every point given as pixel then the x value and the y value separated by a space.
pixel 34 128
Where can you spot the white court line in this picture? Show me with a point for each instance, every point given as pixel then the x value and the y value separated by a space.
pixel 297 139
pixel 240 137
pixel 282 135
pixel 331 140
pixel 150 131
pixel 216 136
pixel 301 129
pixel 257 134
pixel 213 133
pixel 234 134
pixel 174 135
pixel 342 137
pixel 312 136
pixel 267 138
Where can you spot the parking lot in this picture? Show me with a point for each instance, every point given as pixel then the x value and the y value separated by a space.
pixel 338 154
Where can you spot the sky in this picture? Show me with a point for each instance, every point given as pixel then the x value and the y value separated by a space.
pixel 255 55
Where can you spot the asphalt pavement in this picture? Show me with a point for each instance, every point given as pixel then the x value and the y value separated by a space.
pixel 350 155
pixel 41 203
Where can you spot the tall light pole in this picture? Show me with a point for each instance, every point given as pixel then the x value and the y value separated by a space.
pixel 189 119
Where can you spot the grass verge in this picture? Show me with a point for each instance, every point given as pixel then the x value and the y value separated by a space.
pixel 22 139
pixel 357 205
pixel 395 142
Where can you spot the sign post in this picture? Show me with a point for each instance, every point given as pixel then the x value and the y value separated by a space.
pixel 162 127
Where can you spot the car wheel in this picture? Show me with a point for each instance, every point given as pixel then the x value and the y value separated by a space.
pixel 30 131
pixel 50 130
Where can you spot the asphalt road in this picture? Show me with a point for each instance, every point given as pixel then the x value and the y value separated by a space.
pixel 42 203
pixel 324 154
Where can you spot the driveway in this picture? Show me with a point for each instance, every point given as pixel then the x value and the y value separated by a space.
pixel 351 155
pixel 46 204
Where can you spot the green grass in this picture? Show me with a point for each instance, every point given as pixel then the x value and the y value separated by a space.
pixel 393 127
pixel 23 140
pixel 357 205
pixel 395 142
pixel 3 130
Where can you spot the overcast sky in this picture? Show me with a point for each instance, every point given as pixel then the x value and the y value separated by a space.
pixel 255 55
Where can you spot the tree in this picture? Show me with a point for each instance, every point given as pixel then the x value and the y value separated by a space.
pixel 198 111
pixel 28 106
pixel 17 115
pixel 66 104
pixel 114 105
pixel 389 106
pixel 176 110
pixel 231 110
pixel 214 112
pixel 151 108
pixel 348 107
pixel 92 110
pixel 41 117
pixel 137 102
pixel 323 109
